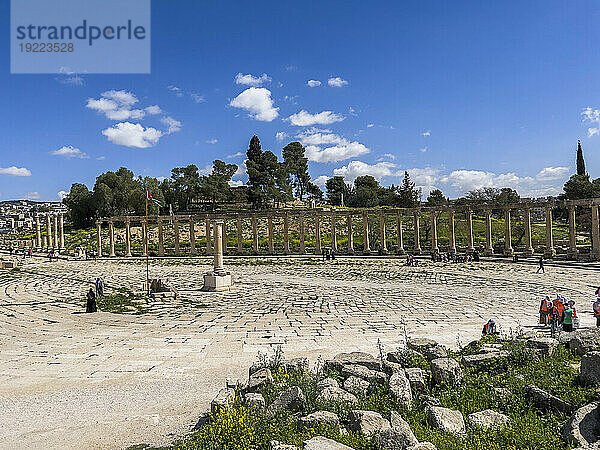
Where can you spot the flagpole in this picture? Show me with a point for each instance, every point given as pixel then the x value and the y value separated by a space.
pixel 147 248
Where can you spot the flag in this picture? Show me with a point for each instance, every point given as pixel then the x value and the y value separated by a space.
pixel 149 197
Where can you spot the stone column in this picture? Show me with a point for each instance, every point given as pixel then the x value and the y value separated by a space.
pixel 128 236
pixel 383 245
pixel 224 236
pixel 366 246
pixel 470 244
pixel 192 236
pixel 572 253
pixel 98 237
pixel 416 222
pixel 176 236
pixel 489 248
pixel 254 235
pixel 240 236
pixel 55 218
pixel 399 237
pixel 38 233
pixel 434 237
pixel 333 233
pixel 508 249
pixel 318 234
pixel 219 270
pixel 111 237
pixel 270 227
pixel 302 248
pixel 208 238
pixel 161 246
pixel 61 236
pixel 528 246
pixel 44 242
pixel 451 232
pixel 549 252
pixel 350 234
pixel 286 234
pixel 49 231
pixel 595 253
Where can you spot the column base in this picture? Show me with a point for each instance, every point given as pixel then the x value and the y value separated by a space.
pixel 128 255
pixel 488 251
pixel 217 282
pixel 595 255
pixel 435 250
pixel 400 251
pixel 351 251
pixel 549 253
pixel 509 251
pixel 572 253
pixel 417 251
pixel 528 252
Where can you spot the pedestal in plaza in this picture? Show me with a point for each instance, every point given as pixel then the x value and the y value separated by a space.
pixel 217 282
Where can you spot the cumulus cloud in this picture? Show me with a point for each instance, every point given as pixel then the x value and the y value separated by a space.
pixel 280 135
pixel 15 171
pixel 235 183
pixel 552 173
pixel 339 148
pixel 116 105
pixel 356 169
pixel 197 97
pixel 306 119
pixel 153 109
pixel 172 125
pixel 60 195
pixel 321 180
pixel 251 80
pixel 132 135
pixel 258 102
pixel 313 83
pixel 371 125
pixel 33 196
pixel 423 150
pixel 235 155
pixel 592 116
pixel 212 141
pixel 175 90
pixel 426 133
pixel 336 82
pixel 69 151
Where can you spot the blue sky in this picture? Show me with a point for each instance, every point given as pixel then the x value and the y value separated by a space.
pixel 462 94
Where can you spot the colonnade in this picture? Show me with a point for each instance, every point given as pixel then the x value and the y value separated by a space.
pixel 301 218
pixel 54 239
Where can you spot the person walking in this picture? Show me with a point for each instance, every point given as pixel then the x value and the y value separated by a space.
pixel 91 302
pixel 544 307
pixel 597 311
pixel 567 324
pixel 99 287
pixel 541 265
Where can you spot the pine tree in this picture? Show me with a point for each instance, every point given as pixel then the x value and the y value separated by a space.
pixel 580 161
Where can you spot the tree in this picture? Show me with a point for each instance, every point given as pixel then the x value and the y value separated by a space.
pixel 579 186
pixel 297 166
pixel 314 191
pixel 268 179
pixel 185 185
pixel 366 192
pixel 409 194
pixel 81 206
pixel 117 193
pixel 580 161
pixel 436 198
pixel 337 189
pixel 215 186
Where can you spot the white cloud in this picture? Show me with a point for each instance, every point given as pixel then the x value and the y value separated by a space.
pixel 426 133
pixel 69 151
pixel 241 170
pixel 235 183
pixel 423 150
pixel 358 168
pixel 206 170
pixel 171 124
pixel 593 116
pixel 258 102
pixel 15 171
pixel 161 179
pixel 101 158
pixel 250 80
pixel 132 135
pixel 116 105
pixel 305 119
pixel 153 109
pixel 313 83
pixel 321 180
pixel 316 136
pixel 371 125
pixel 60 195
pixel 177 91
pixel 197 98
pixel 336 82
pixel 32 195
pixel 552 173
pixel 235 155
pixel 281 135
pixel 212 141
pixel 336 153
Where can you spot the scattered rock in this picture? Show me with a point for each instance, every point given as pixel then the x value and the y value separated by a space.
pixel 415 376
pixel 223 400
pixel 481 360
pixel 423 446
pixel 446 371
pixel 362 372
pixel 336 394
pixel 317 418
pixel 298 364
pixel 502 392
pixel 545 401
pixel 398 437
pixel 488 418
pixel 259 379
pixel 291 399
pixel 439 351
pixel 276 445
pixel 444 419
pixel 590 368
pixel 360 358
pixel 583 341
pixel 367 422
pixel 399 387
pixel 583 428
pixel 403 357
pixel 255 401
pixel 392 367
pixel 428 400
pixel 327 382
pixel 356 385
pixel 322 443
pixel 541 346
pixel 420 345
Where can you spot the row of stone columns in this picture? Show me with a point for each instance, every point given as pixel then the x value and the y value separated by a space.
pixel 508 250
pixel 55 233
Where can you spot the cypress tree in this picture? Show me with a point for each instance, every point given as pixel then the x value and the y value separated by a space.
pixel 580 161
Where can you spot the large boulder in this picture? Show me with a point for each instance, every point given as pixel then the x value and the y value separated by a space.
pixel 336 394
pixel 392 367
pixel 542 346
pixel 322 443
pixel 448 420
pixel 259 379
pixel 427 347
pixel 356 386
pixel 583 428
pixel 399 387
pixel 367 422
pixel 590 368
pixel 446 371
pixel 362 372
pixel 583 341
pixel 415 376
pixel 223 400
pixel 317 418
pixel 254 401
pixel 327 382
pixel 291 399
pixel 547 402
pixel 488 418
pixel 404 357
pixel 398 437
pixel 360 358
pixel 484 360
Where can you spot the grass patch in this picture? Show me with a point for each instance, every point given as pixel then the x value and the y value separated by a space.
pixel 123 301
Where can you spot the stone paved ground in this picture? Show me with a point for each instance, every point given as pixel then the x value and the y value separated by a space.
pixel 72 380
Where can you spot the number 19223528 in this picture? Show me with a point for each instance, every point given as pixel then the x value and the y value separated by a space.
pixel 41 47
